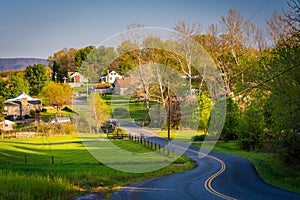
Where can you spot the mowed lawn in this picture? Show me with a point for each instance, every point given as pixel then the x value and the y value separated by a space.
pixel 181 135
pixel 129 107
pixel 61 167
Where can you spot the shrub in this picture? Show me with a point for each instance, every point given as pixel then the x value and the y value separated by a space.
pixel 199 137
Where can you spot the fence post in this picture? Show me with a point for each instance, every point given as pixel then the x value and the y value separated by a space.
pixel 173 153
pixel 52 160
pixel 25 159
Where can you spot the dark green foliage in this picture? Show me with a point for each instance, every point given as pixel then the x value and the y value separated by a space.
pixel 37 78
pixel 290 147
pixel 284 102
pixel 251 128
pixel 126 67
pixel 229 131
pixel 199 137
pixel 15 85
pixel 2 87
pixel 81 55
pixel 55 70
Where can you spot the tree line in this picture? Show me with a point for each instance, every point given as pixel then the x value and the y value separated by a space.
pixel 260 76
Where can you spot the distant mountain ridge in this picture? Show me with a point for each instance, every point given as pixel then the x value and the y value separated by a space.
pixel 20 63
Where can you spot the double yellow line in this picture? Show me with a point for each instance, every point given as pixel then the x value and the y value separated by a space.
pixel 208 182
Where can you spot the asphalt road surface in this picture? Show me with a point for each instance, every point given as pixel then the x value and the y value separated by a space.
pixel 217 176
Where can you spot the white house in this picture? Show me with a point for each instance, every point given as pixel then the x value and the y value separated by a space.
pixel 110 77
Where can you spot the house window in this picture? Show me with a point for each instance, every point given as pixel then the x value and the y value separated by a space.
pixel 110 78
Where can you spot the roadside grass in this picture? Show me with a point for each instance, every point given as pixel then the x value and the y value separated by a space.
pixel 181 135
pixel 74 171
pixel 268 165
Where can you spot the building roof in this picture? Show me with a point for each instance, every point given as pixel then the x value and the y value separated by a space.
pixel 7 122
pixel 123 82
pixel 110 72
pixel 102 86
pixel 73 74
pixel 23 96
pixel 11 103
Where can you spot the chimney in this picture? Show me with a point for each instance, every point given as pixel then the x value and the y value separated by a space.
pixel 107 77
pixel 24 107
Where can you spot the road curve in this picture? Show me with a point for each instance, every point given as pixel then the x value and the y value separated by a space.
pixel 216 176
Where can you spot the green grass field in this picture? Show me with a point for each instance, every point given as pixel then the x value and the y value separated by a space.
pixel 269 166
pixel 131 108
pixel 180 135
pixel 27 171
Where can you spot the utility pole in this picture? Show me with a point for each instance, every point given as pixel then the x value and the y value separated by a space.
pixel 169 113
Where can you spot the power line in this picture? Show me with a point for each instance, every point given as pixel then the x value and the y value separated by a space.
pixel 259 10
pixel 267 80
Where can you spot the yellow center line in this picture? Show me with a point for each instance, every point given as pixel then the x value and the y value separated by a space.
pixel 208 182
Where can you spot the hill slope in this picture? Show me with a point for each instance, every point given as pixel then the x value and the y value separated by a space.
pixel 19 63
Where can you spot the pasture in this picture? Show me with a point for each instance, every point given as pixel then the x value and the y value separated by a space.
pixel 60 167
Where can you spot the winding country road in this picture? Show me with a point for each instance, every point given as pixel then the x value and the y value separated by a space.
pixel 217 176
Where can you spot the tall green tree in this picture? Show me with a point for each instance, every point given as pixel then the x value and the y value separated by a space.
pixel 230 131
pixel 16 84
pixel 81 55
pixel 2 88
pixel 251 128
pixel 36 76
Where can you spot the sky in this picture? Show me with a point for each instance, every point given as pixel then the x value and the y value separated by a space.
pixel 38 28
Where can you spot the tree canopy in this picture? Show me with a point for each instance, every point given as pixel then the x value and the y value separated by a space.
pixel 56 94
pixel 36 76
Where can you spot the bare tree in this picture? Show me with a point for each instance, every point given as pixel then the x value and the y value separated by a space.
pixel 293 18
pixel 238 39
pixel 186 47
pixel 279 27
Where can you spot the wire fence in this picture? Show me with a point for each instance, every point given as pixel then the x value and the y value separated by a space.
pixel 159 148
